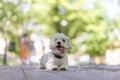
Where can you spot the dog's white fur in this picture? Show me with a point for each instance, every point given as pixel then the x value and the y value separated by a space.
pixel 49 61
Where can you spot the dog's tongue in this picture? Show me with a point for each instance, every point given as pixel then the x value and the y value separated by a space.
pixel 62 50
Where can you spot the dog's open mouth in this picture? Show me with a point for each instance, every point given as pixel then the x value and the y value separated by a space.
pixel 60 48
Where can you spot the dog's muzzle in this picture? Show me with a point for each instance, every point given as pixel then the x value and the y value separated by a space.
pixel 61 49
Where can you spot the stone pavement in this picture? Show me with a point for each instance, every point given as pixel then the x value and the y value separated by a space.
pixel 82 72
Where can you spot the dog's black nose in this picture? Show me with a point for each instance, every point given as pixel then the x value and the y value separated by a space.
pixel 59 43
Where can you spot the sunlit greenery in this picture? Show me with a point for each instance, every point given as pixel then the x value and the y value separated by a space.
pixel 75 18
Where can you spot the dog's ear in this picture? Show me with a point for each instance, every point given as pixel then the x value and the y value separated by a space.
pixel 69 43
pixel 51 44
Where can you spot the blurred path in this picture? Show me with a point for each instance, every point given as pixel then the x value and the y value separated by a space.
pixel 86 72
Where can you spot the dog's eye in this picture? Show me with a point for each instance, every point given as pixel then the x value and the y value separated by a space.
pixel 63 40
pixel 55 39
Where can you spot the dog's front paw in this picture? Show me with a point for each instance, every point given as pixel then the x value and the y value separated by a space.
pixel 62 68
pixel 55 68
pixel 52 68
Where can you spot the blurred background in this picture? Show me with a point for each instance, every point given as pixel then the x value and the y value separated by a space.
pixel 93 27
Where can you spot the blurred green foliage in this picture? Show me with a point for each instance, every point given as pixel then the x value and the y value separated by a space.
pixel 75 18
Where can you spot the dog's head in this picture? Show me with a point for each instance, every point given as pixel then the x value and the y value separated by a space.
pixel 60 43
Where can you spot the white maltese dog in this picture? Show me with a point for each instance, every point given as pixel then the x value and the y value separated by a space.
pixel 57 58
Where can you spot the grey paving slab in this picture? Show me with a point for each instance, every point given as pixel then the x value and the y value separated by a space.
pixel 86 72
pixel 35 73
pixel 88 75
pixel 11 73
